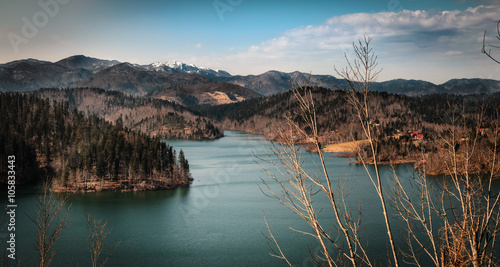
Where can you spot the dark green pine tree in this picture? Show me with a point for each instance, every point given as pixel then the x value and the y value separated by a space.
pixel 184 164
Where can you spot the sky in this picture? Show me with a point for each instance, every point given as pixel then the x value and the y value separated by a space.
pixel 413 39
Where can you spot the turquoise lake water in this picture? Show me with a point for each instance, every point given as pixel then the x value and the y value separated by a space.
pixel 218 221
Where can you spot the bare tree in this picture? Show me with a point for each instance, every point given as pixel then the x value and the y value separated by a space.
pixel 50 218
pixel 360 73
pixel 454 224
pixel 98 232
pixel 465 206
pixel 299 188
pixel 459 225
pixel 486 51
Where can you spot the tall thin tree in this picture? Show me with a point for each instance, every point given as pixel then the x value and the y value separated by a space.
pixel 50 218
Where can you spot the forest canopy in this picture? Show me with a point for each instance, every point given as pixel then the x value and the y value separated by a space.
pixel 82 153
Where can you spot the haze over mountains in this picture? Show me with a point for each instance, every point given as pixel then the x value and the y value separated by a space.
pixel 188 84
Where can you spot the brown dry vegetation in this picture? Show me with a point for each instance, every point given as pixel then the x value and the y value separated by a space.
pixel 153 117
pixel 205 94
pixel 455 223
pixel 395 117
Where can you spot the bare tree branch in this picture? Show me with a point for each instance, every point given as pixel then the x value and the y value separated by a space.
pixel 98 232
pixel 50 219
pixel 487 52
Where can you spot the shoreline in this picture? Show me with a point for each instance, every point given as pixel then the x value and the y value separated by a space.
pixel 108 189
pixel 119 186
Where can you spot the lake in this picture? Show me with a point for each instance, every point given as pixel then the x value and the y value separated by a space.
pixel 218 221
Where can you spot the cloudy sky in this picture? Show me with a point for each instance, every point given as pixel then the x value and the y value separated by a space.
pixel 414 39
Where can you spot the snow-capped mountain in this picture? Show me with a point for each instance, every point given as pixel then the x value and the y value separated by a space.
pixel 83 71
pixel 173 66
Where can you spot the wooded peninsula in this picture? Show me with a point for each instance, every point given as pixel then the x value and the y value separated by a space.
pixel 83 153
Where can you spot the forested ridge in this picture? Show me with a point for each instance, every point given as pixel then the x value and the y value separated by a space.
pixel 155 117
pixel 392 111
pixel 83 153
pixel 405 128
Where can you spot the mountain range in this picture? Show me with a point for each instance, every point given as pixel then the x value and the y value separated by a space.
pixel 173 66
pixel 186 83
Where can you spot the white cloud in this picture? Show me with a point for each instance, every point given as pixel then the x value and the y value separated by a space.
pixel 406 36
pixel 387 27
pixel 198 45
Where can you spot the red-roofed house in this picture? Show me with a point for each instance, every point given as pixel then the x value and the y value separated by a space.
pixel 416 135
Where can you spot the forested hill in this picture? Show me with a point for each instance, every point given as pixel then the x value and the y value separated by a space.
pixel 392 112
pixel 405 127
pixel 82 153
pixel 155 117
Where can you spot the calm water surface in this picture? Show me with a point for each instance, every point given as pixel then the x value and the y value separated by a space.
pixel 218 221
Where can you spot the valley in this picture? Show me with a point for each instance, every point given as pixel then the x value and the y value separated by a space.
pixel 250 133
pixel 175 100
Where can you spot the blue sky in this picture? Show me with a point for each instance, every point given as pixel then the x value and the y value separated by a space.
pixel 414 39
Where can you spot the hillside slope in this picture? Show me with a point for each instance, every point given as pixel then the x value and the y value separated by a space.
pixel 205 94
pixel 151 116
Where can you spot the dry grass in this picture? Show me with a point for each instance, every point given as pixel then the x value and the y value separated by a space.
pixel 345 147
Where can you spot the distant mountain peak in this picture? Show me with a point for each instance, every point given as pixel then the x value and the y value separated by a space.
pixel 179 66
pixel 79 57
pixel 174 64
pixel 29 61
pixel 157 64
pixel 85 62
